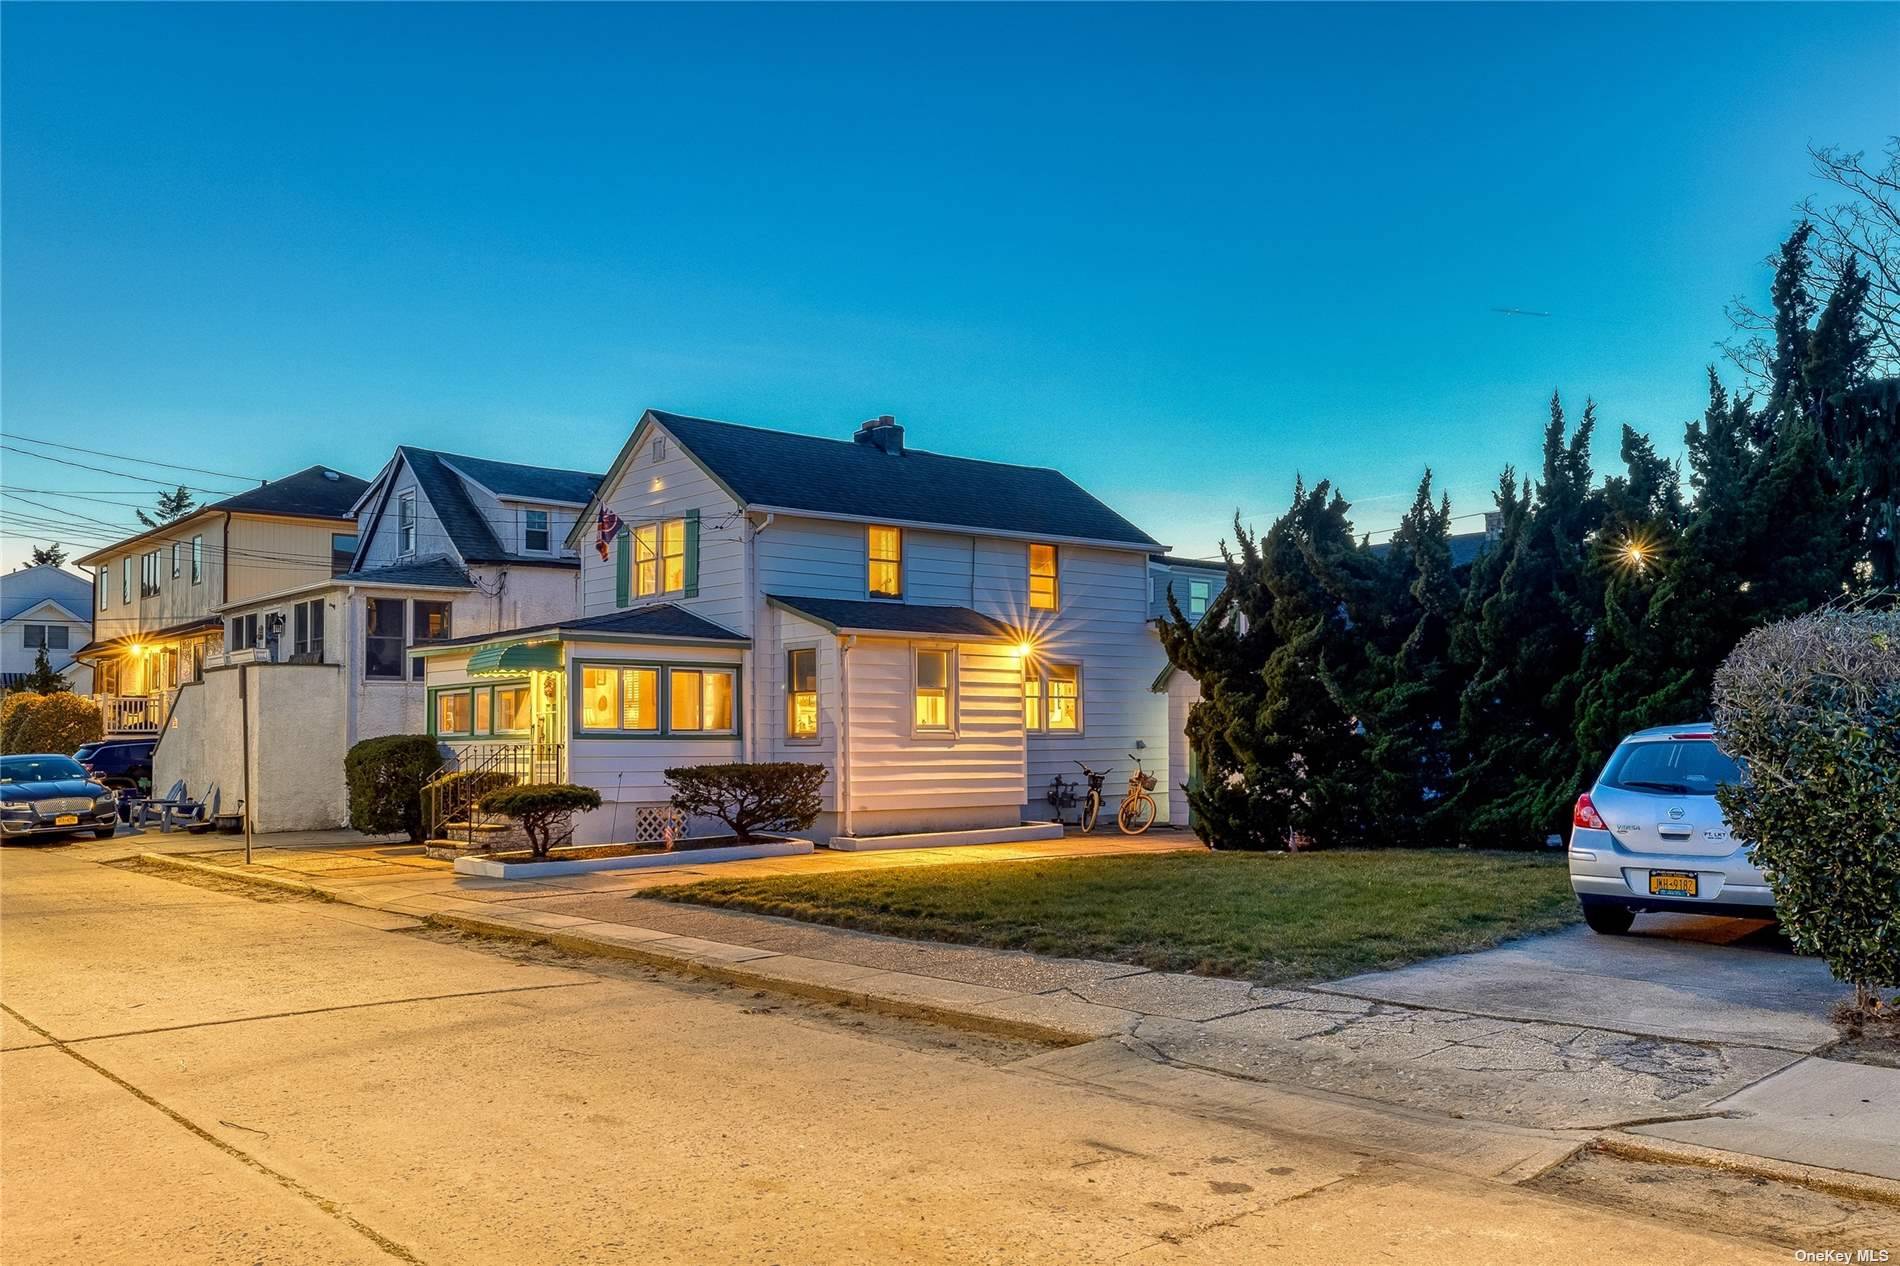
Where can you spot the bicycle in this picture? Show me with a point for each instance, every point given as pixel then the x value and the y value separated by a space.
pixel 1137 812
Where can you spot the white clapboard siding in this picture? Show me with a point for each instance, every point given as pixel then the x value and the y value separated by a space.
pixel 890 770
pixel 1183 693
pixel 781 632
pixel 646 491
pixel 632 770
pixel 1101 624
pixel 812 558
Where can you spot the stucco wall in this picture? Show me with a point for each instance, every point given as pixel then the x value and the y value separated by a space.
pixel 296 764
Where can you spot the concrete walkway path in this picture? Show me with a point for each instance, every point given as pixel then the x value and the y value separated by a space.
pixel 1361 1039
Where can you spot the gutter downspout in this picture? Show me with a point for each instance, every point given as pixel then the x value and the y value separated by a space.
pixel 757 632
pixel 845 644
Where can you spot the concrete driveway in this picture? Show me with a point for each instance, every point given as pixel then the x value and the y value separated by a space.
pixel 1675 976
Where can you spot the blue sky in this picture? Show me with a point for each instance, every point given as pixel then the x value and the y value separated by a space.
pixel 1181 253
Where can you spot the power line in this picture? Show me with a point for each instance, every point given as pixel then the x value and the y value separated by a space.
pixel 124 457
pixel 120 474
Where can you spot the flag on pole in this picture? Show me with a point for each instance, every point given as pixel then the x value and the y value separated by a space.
pixel 609 525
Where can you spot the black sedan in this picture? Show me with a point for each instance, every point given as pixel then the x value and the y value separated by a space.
pixel 51 795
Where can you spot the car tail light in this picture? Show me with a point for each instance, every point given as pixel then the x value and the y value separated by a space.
pixel 1586 815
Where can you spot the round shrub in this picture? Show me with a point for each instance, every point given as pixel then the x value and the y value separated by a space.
pixel 1811 709
pixel 545 810
pixel 50 723
pixel 385 777
pixel 749 798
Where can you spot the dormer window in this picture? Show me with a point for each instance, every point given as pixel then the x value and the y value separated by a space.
pixel 1045 590
pixel 884 567
pixel 406 523
pixel 534 531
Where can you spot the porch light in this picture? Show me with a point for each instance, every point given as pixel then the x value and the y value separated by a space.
pixel 1025 648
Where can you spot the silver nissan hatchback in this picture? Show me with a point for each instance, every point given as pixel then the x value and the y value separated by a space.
pixel 1649 836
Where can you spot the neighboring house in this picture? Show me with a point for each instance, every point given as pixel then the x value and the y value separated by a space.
pixel 1195 583
pixel 944 635
pixel 156 595
pixel 444 546
pixel 44 607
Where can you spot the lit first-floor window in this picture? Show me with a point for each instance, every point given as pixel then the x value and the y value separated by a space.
pixel 700 701
pixel 620 699
pixel 801 692
pixel 932 689
pixel 480 711
pixel 1052 698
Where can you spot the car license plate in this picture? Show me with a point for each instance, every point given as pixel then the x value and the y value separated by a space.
pixel 1672 883
pixel 66 819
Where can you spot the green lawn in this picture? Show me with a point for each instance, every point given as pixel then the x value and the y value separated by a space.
pixel 1263 916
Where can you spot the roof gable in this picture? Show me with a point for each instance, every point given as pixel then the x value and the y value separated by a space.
pixel 443 478
pixel 28 587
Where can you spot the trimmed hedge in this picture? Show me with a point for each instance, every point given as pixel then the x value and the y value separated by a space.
pixel 545 810
pixel 385 777
pixel 1811 709
pixel 49 723
pixel 750 798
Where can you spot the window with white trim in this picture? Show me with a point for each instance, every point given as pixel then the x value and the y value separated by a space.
pixel 306 630
pixel 1198 591
pixel 197 559
pixel 54 637
pixel 99 582
pixel 175 546
pixel 406 522
pixel 534 531
pixel 659 558
pixel 884 561
pixel 933 690
pixel 1044 587
pixel 801 692
pixel 1052 698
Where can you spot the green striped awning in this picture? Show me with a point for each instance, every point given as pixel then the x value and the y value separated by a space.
pixel 512 659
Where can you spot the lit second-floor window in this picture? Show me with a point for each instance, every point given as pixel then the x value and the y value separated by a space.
pixel 659 558
pixel 801 692
pixel 884 565
pixel 406 523
pixel 534 531
pixel 197 559
pixel 1045 592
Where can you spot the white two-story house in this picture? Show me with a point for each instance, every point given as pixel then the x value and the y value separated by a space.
pixel 444 545
pixel 44 608
pixel 944 635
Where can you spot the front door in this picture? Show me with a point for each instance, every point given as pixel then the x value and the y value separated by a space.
pixel 549 706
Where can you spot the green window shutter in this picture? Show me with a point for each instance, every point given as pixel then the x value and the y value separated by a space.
pixel 692 554
pixel 623 568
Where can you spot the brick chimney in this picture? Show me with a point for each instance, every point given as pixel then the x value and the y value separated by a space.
pixel 882 433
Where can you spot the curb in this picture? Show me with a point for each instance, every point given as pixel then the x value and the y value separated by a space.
pixel 667 959
pixel 1833 1182
pixel 242 876
pixel 736 974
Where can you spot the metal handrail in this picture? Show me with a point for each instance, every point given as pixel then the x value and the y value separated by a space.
pixel 451 795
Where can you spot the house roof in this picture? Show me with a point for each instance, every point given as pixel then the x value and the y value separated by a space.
pixel 1193 564
pixel 315 492
pixel 1465 547
pixel 661 622
pixel 442 573
pixel 468 530
pixel 22 590
pixel 787 471
pixel 528 483
pixel 844 615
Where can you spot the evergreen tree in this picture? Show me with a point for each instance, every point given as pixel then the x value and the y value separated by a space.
pixel 53 554
pixel 44 679
pixel 171 507
pixel 1411 710
pixel 1517 742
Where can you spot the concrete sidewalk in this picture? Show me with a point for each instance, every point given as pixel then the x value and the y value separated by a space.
pixel 1522 1073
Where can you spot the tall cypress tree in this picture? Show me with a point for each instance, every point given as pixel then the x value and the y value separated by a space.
pixel 1411 710
pixel 1525 638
